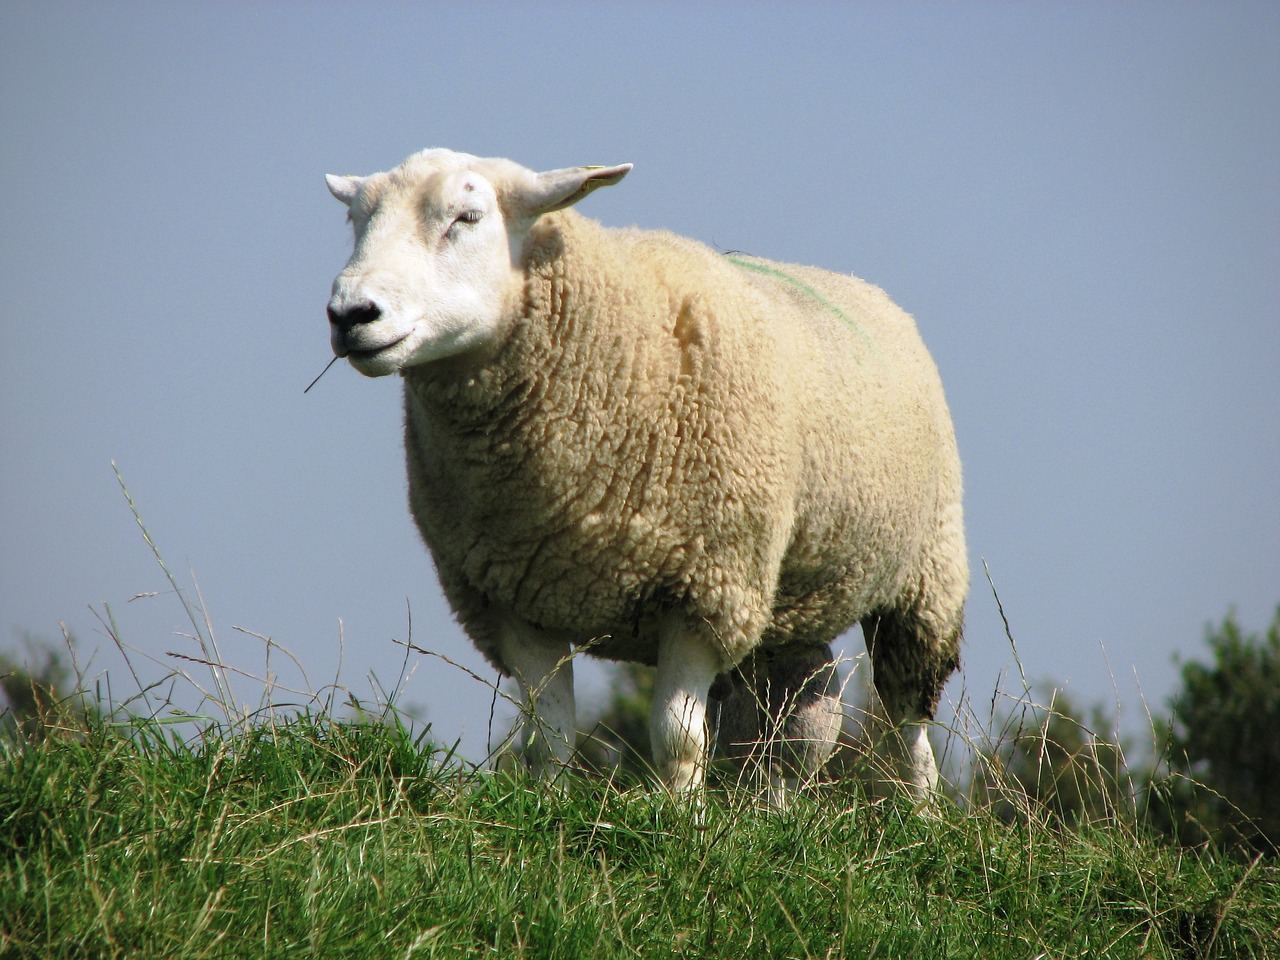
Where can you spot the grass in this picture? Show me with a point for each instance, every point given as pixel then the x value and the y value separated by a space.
pixel 143 832
pixel 317 838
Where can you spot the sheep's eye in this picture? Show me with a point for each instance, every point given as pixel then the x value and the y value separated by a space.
pixel 465 218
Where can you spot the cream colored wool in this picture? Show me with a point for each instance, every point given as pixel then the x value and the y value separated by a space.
pixel 655 433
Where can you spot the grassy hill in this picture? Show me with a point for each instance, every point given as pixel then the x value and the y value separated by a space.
pixel 311 837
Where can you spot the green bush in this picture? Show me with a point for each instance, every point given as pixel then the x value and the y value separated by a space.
pixel 1221 778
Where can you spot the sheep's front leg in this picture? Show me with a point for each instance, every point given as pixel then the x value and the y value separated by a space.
pixel 548 730
pixel 687 664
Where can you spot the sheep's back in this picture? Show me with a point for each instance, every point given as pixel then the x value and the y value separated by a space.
pixel 880 463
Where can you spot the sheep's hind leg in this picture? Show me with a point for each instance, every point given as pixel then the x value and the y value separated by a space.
pixel 807 693
pixel 687 664
pixel 783 712
pixel 910 664
pixel 544 671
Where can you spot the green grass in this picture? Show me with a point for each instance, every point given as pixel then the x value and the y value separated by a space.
pixel 276 835
pixel 317 838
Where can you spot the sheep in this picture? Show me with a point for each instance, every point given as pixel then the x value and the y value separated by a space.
pixel 622 441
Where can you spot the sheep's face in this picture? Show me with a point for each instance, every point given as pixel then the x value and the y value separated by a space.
pixel 438 241
pixel 431 275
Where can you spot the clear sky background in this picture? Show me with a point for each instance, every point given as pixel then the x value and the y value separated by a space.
pixel 1080 203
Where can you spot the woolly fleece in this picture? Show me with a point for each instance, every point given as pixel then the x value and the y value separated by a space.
pixel 764 448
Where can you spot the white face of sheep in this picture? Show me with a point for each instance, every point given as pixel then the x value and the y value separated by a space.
pixel 436 267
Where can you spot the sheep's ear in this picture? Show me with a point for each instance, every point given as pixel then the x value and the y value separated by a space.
pixel 344 188
pixel 557 189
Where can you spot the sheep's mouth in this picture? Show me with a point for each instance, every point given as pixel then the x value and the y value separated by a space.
pixel 368 353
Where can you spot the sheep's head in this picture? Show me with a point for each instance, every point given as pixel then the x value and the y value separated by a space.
pixel 436 267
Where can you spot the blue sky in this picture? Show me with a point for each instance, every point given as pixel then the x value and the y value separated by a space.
pixel 1079 203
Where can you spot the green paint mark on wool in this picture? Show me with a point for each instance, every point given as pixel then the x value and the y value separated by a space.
pixel 801 285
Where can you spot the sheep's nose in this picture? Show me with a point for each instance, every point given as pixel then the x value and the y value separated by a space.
pixel 351 315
